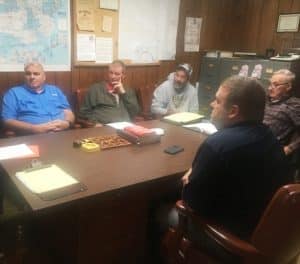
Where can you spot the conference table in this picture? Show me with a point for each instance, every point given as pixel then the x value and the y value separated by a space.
pixel 108 222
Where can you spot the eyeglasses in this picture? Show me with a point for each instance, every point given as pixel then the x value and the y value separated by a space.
pixel 275 85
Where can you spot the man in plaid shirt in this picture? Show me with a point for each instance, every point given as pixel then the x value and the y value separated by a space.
pixel 282 113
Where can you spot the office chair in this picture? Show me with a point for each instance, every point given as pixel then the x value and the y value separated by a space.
pixel 276 238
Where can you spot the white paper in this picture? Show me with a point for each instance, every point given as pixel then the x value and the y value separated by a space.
pixel 107 23
pixel 15 151
pixel 207 128
pixel 119 125
pixel 104 50
pixel 109 4
pixel 45 179
pixel 183 117
pixel 150 33
pixel 192 34
pixel 86 50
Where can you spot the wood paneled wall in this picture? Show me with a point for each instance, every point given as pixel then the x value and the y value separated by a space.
pixel 244 25
pixel 255 25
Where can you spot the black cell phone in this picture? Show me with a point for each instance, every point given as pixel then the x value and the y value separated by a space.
pixel 174 149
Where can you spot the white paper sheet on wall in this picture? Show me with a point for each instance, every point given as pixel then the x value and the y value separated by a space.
pixel 150 33
pixel 192 34
pixel 86 47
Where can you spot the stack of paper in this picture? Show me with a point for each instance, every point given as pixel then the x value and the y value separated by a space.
pixel 207 128
pixel 44 179
pixel 183 118
pixel 19 151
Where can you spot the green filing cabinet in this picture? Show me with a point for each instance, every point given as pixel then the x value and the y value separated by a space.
pixel 208 83
pixel 214 70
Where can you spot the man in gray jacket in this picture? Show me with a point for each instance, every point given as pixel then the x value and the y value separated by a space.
pixel 176 94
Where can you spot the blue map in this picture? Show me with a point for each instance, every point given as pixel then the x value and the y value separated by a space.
pixel 34 30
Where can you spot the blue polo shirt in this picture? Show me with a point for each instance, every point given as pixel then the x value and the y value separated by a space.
pixel 24 104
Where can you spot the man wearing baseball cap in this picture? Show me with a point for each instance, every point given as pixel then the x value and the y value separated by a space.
pixel 176 94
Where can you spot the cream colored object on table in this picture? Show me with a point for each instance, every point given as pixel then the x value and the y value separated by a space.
pixel 184 117
pixel 44 179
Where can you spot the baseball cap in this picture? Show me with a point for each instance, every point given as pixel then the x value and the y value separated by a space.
pixel 186 67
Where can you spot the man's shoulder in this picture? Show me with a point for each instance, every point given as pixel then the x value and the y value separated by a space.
pixel 293 101
pixel 237 136
pixel 165 85
pixel 97 86
pixel 19 89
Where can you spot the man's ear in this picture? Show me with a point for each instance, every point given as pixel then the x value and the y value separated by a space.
pixel 234 111
pixel 289 88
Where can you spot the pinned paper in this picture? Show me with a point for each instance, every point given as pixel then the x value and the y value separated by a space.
pixel 107 23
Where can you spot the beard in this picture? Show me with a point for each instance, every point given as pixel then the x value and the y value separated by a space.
pixel 178 86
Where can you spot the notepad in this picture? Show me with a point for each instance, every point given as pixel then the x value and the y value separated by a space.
pixel 47 179
pixel 183 118
pixel 205 127
pixel 19 151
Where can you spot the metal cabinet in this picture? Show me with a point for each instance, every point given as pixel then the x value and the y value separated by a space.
pixel 215 70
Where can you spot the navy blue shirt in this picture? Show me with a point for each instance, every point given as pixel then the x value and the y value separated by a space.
pixel 234 175
pixel 24 104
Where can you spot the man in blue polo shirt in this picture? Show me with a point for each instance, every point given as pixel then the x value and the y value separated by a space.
pixel 36 107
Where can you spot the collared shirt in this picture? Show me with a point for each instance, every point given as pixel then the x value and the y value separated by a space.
pixel 283 118
pixel 234 174
pixel 24 104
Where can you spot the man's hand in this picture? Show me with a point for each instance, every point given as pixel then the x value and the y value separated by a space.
pixel 118 87
pixel 287 150
pixel 60 124
pixel 43 128
pixel 185 178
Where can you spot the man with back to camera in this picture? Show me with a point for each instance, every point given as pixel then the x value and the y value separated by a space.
pixel 109 101
pixel 176 94
pixel 282 113
pixel 236 170
pixel 36 107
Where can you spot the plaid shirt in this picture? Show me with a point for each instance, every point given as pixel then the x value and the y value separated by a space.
pixel 283 118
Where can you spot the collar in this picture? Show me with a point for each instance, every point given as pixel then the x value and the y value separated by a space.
pixel 29 89
pixel 245 123
pixel 282 99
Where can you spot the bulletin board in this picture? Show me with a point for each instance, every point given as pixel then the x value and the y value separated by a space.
pixel 95 31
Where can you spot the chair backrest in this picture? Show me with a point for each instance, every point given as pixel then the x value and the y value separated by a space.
pixel 277 234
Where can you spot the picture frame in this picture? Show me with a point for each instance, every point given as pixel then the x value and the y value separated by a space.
pixel 288 23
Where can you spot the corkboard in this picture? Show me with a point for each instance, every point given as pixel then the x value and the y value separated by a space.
pixel 90 9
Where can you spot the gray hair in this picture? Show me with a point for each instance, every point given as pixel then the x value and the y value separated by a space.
pixel 119 63
pixel 290 76
pixel 33 63
pixel 248 94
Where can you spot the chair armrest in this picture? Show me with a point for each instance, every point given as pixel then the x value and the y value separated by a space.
pixel 227 240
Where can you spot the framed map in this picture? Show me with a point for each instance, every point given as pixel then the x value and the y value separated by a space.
pixel 35 30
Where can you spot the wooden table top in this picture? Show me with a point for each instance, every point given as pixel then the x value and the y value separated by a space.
pixel 105 170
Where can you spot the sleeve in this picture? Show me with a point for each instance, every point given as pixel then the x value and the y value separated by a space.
pixel 159 105
pixel 204 180
pixel 294 113
pixel 130 102
pixel 86 109
pixel 9 106
pixel 63 99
